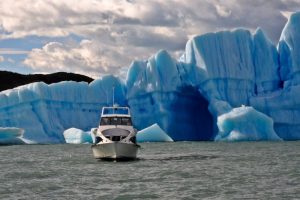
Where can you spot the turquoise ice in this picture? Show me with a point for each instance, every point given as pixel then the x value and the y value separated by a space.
pixel 153 133
pixel 46 111
pixel 77 136
pixel 11 135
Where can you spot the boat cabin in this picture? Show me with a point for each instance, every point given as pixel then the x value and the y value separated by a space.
pixel 116 116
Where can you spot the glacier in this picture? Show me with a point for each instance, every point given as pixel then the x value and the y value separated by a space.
pixel 235 77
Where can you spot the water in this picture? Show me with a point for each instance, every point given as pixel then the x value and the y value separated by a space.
pixel 182 170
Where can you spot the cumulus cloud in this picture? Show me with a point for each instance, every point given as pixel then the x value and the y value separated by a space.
pixel 86 58
pixel 1 59
pixel 118 31
pixel 61 18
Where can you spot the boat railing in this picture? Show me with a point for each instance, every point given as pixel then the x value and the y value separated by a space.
pixel 115 111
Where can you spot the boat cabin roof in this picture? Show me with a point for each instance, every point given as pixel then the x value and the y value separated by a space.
pixel 115 111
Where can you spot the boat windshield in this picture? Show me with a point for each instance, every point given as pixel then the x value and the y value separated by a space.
pixel 126 121
pixel 116 110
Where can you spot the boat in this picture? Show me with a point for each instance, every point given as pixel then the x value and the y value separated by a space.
pixel 115 138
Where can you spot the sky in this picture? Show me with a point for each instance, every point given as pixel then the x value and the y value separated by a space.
pixel 99 37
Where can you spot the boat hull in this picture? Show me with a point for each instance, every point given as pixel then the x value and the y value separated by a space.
pixel 115 151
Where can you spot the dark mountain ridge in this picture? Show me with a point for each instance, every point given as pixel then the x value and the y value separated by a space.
pixel 9 80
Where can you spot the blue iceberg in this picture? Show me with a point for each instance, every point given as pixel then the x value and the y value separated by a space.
pixel 282 105
pixel 153 133
pixel 77 136
pixel 245 124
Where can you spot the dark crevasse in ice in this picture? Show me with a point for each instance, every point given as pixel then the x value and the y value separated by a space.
pixel 183 116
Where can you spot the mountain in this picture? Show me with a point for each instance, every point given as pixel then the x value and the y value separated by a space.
pixel 9 80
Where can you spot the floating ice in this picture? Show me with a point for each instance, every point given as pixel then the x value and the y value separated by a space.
pixel 245 124
pixel 153 134
pixel 77 136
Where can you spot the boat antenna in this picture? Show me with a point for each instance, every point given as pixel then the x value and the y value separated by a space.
pixel 113 95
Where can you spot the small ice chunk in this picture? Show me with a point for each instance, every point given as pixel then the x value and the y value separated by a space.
pixel 77 136
pixel 153 133
pixel 245 124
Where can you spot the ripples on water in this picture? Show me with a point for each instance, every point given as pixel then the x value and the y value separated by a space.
pixel 181 170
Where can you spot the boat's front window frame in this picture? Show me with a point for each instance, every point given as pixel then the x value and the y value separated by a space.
pixel 116 120
pixel 115 110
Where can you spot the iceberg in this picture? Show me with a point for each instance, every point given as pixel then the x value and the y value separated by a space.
pixel 282 105
pixel 226 69
pixel 245 124
pixel 77 136
pixel 193 97
pixel 153 133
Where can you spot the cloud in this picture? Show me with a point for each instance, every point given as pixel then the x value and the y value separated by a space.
pixel 61 18
pixel 116 32
pixel 223 11
pixel 84 58
pixel 8 51
pixel 1 59
pixel 90 57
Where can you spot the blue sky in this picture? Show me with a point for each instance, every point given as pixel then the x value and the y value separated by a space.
pixel 95 38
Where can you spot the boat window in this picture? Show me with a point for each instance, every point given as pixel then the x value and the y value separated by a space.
pixel 126 121
pixel 105 121
pixel 115 121
pixel 116 110
pixel 123 111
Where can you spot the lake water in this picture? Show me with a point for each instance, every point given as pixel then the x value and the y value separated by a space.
pixel 181 170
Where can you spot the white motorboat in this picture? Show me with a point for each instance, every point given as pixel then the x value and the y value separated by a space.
pixel 115 138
